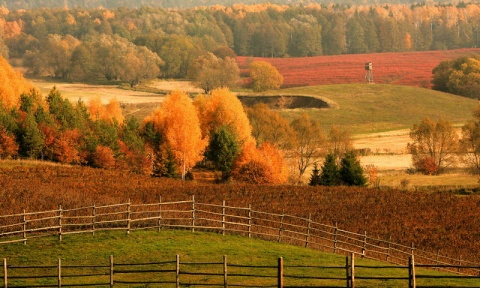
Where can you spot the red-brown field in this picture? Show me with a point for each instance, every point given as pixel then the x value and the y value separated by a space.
pixel 406 68
pixel 430 220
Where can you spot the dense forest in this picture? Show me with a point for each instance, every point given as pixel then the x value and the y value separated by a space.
pixel 53 42
pixel 29 4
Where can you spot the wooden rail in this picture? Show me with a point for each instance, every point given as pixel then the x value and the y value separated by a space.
pixel 174 273
pixel 223 219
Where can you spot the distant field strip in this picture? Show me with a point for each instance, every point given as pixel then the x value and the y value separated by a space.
pixel 224 219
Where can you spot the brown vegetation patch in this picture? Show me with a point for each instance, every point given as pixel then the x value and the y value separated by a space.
pixel 430 220
pixel 285 101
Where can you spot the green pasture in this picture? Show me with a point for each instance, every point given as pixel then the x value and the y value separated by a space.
pixel 369 108
pixel 152 246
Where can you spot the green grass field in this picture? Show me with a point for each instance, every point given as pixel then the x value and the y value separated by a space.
pixel 367 108
pixel 152 246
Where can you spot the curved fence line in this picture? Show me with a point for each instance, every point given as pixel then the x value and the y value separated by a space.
pixel 223 219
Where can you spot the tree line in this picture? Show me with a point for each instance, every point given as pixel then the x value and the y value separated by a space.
pixel 178 37
pixel 213 130
pixel 30 4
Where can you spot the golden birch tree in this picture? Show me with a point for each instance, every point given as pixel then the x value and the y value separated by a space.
pixel 178 123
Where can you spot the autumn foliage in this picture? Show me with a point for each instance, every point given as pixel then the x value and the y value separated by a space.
pixel 406 217
pixel 110 112
pixel 177 121
pixel 12 85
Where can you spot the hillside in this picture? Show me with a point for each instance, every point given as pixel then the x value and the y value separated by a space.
pixel 432 220
pixel 367 108
pixel 406 68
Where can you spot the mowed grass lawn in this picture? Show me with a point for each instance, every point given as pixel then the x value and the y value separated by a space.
pixel 369 108
pixel 153 246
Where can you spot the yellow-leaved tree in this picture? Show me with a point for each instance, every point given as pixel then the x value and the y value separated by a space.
pixel 222 108
pixel 110 112
pixel 12 85
pixel 177 121
pixel 264 76
pixel 255 165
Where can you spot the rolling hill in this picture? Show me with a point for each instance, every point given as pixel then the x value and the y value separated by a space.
pixel 369 108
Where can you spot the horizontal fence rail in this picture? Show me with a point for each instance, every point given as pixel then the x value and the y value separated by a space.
pixel 175 273
pixel 223 219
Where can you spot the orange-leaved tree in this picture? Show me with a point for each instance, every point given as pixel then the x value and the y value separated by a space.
pixel 110 112
pixel 8 145
pixel 263 165
pixel 178 123
pixel 222 108
pixel 12 85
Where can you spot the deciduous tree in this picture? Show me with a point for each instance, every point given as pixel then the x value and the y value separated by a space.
pixel 8 145
pixel 433 141
pixel 211 72
pixel 13 84
pixel 264 76
pixel 470 141
pixel 269 126
pixel 309 142
pixel 223 108
pixel 178 122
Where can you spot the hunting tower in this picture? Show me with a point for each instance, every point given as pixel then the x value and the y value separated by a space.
pixel 369 72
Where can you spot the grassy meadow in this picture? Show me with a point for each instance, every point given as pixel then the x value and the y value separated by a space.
pixel 371 108
pixel 151 246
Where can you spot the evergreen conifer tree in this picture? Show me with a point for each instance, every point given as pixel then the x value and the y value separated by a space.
pixel 222 151
pixel 330 175
pixel 315 177
pixel 351 172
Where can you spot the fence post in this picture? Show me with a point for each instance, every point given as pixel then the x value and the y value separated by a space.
pixel 129 216
pixel 24 227
pixel 364 247
pixel 459 262
pixel 352 271
pixel 60 223
pixel 309 224
pixel 388 249
pixel 223 217
pixel 93 219
pixel 280 272
pixel 5 277
pixel 249 220
pixel 335 239
pixel 412 249
pixel 177 272
pixel 59 273
pixel 193 213
pixel 159 213
pixel 225 275
pixel 111 271
pixel 411 273
pixel 281 226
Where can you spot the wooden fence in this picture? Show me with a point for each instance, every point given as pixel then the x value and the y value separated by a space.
pixel 212 274
pixel 221 218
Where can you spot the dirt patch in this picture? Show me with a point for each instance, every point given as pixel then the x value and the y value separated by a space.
pixel 285 101
pixel 391 142
pixel 76 91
